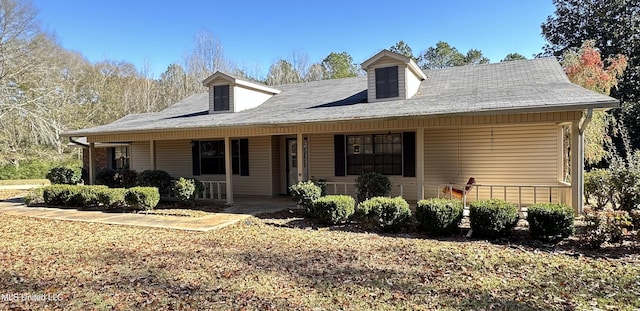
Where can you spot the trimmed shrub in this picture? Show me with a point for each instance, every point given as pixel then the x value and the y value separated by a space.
pixel 142 198
pixel 439 216
pixel 492 218
pixel 372 185
pixel 597 186
pixel 156 178
pixel 112 198
pixel 322 183
pixel 606 226
pixel 334 209
pixel 187 189
pixel 111 178
pixel 107 177
pixel 126 178
pixel 305 193
pixel 550 220
pixel 387 214
pixel 64 176
pixel 60 195
pixel 34 197
pixel 88 195
pixel 78 196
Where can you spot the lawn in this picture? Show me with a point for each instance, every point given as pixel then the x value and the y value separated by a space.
pixel 276 263
pixel 9 182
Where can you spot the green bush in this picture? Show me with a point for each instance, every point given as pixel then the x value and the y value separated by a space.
pixel 606 226
pixel 61 195
pixel 304 193
pixel 439 216
pixel 111 178
pixel 492 218
pixel 188 189
pixel 322 184
pixel 334 209
pixel 550 220
pixel 112 198
pixel 88 196
pixel 64 176
pixel 387 214
pixel 597 185
pixel 142 198
pixel 34 197
pixel 625 180
pixel 156 178
pixel 78 196
pixel 372 185
pixel 107 177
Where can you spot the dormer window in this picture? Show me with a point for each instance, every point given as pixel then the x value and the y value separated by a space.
pixel 221 98
pixel 387 82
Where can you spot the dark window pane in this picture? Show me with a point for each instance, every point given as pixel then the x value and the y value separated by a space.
pixel 221 98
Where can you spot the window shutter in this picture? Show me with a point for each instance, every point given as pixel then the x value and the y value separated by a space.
pixel 392 81
pixel 409 154
pixel 111 158
pixel 381 83
pixel 339 154
pixel 244 157
pixel 195 157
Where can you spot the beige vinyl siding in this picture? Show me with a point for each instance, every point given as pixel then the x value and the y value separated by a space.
pixel 140 157
pixel 174 157
pixel 259 180
pixel 513 155
pixel 322 166
pixel 276 159
pixel 344 127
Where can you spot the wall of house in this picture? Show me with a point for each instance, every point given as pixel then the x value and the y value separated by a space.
pixel 412 82
pixel 245 98
pixel 494 155
pixel 174 156
pixel 322 166
pixel 139 159
pixel 101 158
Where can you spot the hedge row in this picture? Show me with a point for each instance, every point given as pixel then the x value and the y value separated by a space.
pixel 79 196
pixel 488 218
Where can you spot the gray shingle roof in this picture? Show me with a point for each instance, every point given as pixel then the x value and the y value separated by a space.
pixel 531 85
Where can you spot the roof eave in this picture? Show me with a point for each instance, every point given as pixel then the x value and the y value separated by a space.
pixel 601 105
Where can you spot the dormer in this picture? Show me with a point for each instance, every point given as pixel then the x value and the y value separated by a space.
pixel 228 93
pixel 391 76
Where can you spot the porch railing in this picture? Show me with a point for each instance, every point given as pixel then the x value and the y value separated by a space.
pixel 213 190
pixel 523 195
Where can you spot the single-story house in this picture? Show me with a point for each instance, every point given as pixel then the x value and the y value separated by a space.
pixel 503 124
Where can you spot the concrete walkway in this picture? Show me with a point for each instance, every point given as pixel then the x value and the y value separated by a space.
pixel 242 209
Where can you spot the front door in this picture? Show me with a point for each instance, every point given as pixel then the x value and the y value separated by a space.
pixel 293 161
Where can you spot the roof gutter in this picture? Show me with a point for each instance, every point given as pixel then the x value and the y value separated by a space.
pixel 586 120
pixel 78 143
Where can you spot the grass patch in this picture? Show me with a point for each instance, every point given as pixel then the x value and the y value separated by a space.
pixel 254 265
pixel 11 182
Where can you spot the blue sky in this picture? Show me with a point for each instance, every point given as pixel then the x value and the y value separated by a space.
pixel 254 34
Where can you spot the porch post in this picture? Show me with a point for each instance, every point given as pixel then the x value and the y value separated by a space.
pixel 228 170
pixel 300 156
pixel 420 162
pixel 576 168
pixel 152 154
pixel 92 163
